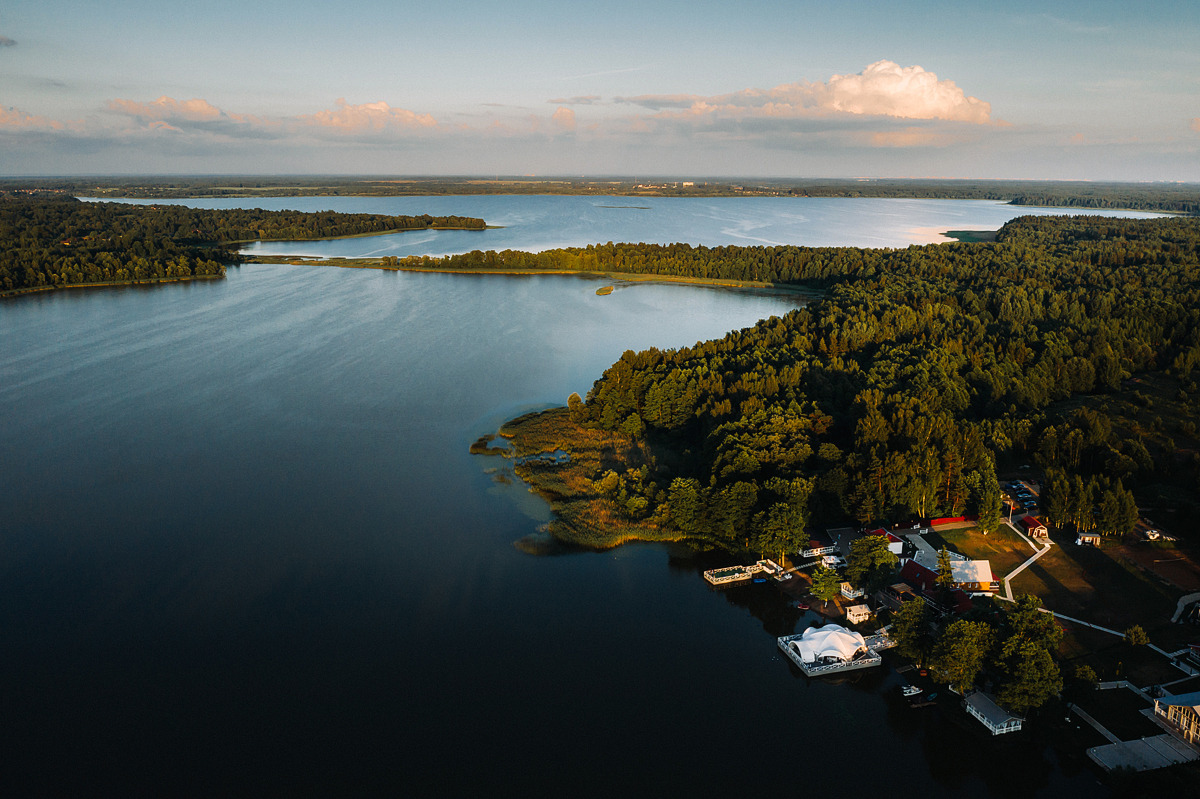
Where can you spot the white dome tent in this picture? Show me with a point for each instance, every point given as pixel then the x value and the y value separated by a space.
pixel 832 648
pixel 830 643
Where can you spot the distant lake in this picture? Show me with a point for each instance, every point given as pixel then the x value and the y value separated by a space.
pixel 244 549
pixel 542 222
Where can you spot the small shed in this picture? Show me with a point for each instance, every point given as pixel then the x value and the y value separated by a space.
pixel 1088 539
pixel 857 614
pixel 995 718
pixel 1034 527
pixel 850 592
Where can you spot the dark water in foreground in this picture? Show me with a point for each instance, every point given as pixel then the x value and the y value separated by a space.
pixel 244 550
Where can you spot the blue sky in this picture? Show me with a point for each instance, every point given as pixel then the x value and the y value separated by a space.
pixel 1097 90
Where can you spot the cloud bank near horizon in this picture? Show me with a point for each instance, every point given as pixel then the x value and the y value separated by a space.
pixel 882 89
pixel 853 124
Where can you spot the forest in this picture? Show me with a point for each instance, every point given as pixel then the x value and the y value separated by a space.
pixel 52 242
pixel 901 391
pixel 1180 198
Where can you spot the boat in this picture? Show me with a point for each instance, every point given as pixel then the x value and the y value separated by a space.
pixel 801 605
pixel 910 690
pixel 926 701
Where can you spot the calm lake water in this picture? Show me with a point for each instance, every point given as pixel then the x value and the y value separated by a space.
pixel 244 549
pixel 539 222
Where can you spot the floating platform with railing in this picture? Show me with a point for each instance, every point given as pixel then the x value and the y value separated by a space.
pixel 740 574
pixel 864 658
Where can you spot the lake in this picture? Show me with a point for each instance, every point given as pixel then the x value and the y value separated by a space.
pixel 542 222
pixel 245 550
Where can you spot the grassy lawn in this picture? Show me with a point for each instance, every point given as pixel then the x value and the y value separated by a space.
pixel 1085 583
pixel 1004 548
pixel 1113 659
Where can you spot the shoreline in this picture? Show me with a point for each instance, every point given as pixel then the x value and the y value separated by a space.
pixel 372 233
pixel 625 277
pixel 146 281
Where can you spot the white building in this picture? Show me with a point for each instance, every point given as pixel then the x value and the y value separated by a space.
pixel 972 576
pixel 850 592
pixel 857 614
pixel 994 717
pixel 828 649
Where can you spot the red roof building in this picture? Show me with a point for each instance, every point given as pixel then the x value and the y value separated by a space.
pixel 1034 528
pixel 924 580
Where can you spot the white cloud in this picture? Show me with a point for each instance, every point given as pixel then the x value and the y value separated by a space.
pixel 15 119
pixel 168 108
pixel 885 88
pixel 882 89
pixel 367 117
pixel 564 117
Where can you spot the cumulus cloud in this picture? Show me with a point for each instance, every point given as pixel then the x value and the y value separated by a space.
pixel 6 42
pixel 197 117
pixel 883 89
pixel 888 89
pixel 564 118
pixel 168 108
pixel 367 117
pixel 584 99
pixel 14 119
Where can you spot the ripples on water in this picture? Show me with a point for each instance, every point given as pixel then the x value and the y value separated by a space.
pixel 244 547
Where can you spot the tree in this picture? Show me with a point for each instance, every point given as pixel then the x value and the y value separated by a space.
pixel 1056 498
pixel 870 562
pixel 988 508
pixel 575 408
pixel 826 583
pixel 1136 636
pixel 910 629
pixel 686 505
pixel 1086 674
pixel 945 577
pixel 1030 678
pixel 959 654
pixel 1029 638
pixel 1025 622
pixel 780 531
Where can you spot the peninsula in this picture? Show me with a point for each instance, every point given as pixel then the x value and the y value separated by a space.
pixel 60 242
pixel 1068 342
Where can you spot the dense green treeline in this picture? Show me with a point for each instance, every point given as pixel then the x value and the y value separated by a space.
pixel 1174 197
pixel 897 394
pixel 66 242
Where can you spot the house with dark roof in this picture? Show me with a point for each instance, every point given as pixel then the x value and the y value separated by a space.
pixel 819 544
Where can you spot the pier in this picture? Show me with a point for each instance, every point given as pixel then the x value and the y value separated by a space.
pixel 729 575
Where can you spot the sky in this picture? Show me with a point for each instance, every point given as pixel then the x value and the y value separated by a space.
pixel 1092 90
